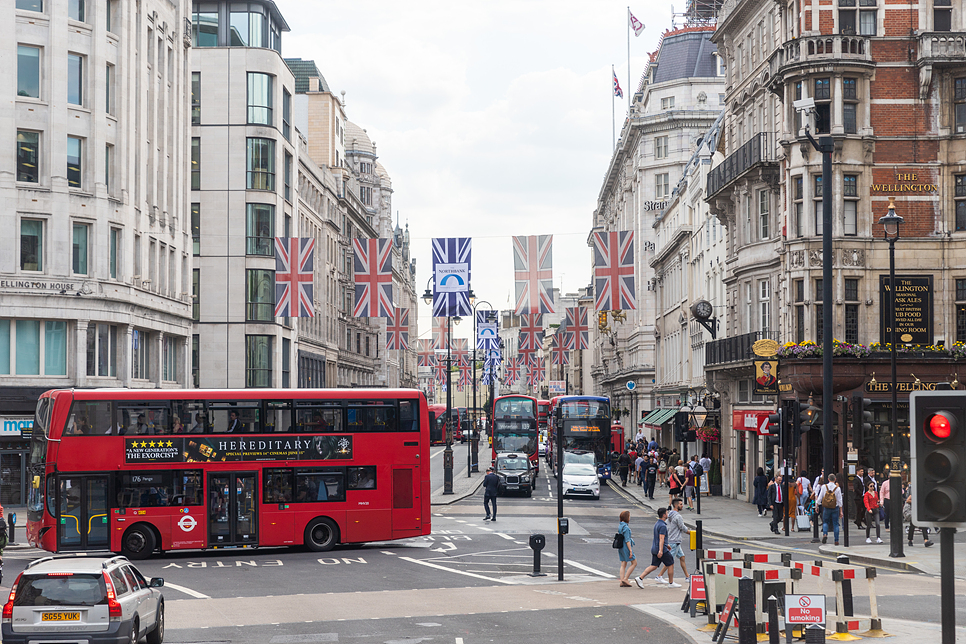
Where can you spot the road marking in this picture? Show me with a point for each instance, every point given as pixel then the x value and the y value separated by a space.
pixel 186 591
pixel 505 536
pixel 438 452
pixel 487 529
pixel 458 572
pixel 459 640
pixel 386 552
pixel 589 569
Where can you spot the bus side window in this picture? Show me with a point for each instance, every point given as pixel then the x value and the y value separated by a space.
pixel 408 420
pixel 89 418
pixel 362 478
pixel 278 416
pixel 277 485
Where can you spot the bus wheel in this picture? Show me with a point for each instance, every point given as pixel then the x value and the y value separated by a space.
pixel 138 542
pixel 321 535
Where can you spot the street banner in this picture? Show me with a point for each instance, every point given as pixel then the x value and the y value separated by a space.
pixel 513 368
pixel 578 328
pixel 373 278
pixel 441 333
pixel 557 387
pixel 397 330
pixel 460 351
pixel 614 271
pixel 558 352
pixel 440 370
pixel 426 355
pixel 451 269
pixel 487 330
pixel 531 332
pixel 294 277
pixel 533 274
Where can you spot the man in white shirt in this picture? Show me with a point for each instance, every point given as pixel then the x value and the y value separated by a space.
pixel 805 489
pixel 830 515
pixel 705 463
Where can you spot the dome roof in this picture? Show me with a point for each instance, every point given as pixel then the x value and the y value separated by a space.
pixel 356 139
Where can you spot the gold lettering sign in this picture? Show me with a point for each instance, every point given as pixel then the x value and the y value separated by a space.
pixel 880 188
pixel 901 387
pixel 765 347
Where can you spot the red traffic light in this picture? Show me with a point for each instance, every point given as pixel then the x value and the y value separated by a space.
pixel 940 426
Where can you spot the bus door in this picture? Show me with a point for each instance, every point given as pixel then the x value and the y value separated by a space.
pixel 82 521
pixel 231 509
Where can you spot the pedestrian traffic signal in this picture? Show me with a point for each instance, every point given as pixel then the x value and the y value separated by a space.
pixel 938 443
pixel 775 428
pixel 861 416
pixel 681 427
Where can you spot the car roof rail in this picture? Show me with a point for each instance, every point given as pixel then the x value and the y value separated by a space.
pixel 55 557
pixel 112 560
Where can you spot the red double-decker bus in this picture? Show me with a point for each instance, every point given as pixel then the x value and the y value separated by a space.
pixel 137 471
pixel 437 424
pixel 514 426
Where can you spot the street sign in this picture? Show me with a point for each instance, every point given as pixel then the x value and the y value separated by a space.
pixel 805 609
pixel 696 587
pixel 557 387
pixel 631 385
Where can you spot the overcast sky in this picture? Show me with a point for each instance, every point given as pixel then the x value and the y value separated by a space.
pixel 492 118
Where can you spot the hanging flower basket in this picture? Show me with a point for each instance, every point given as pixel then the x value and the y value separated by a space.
pixel 708 434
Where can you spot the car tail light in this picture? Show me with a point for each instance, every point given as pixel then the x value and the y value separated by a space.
pixel 113 606
pixel 8 607
pixel 60 574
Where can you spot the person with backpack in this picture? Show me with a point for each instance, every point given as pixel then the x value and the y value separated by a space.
pixel 829 496
pixel 625 549
pixel 624 464
pixel 662 470
pixel 650 476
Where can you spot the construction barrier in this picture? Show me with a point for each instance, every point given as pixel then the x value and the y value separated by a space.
pixel 836 573
pixel 721 580
pixel 751 556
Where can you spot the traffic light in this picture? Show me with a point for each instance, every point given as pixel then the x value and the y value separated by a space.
pixel 775 427
pixel 680 427
pixel 602 321
pixel 938 433
pixel 861 417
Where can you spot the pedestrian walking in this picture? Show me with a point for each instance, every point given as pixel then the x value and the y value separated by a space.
pixel 491 486
pixel 623 464
pixel 675 484
pixel 804 489
pixel 662 470
pixel 829 496
pixel 675 536
pixel 632 455
pixel 660 552
pixel 871 502
pixel 689 487
pixel 761 491
pixel 884 500
pixel 637 468
pixel 626 551
pixel 650 476
pixel 858 493
pixel 907 516
pixel 776 501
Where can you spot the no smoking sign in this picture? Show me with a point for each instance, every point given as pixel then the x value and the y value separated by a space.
pixel 805 609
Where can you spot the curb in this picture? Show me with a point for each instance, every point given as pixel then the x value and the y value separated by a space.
pixel 873 561
pixel 458 497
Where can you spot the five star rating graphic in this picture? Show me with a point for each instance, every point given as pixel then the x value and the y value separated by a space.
pixel 152 444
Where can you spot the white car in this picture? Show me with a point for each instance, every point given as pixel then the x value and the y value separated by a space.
pixel 580 479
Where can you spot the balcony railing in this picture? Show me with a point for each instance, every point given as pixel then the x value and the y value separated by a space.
pixel 844 47
pixel 942 47
pixel 757 150
pixel 733 349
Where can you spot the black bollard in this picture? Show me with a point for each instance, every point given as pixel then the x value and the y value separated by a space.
pixel 773 620
pixel 846 588
pixel 11 527
pixel 816 516
pixel 537 542
pixel 747 632
pixel 815 634
pixel 698 544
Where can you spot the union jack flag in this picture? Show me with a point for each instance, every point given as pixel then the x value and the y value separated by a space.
pixel 564 337
pixel 466 376
pixel 617 86
pixel 558 352
pixel 577 327
pixel 537 372
pixel 440 333
pixel 440 371
pixel 513 367
pixel 397 330
pixel 373 278
pixel 531 332
pixel 294 277
pixel 427 357
pixel 614 271
pixel 533 274
pixel 461 351
pixel 526 358
pixel 451 267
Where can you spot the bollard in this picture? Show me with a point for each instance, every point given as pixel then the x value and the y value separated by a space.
pixel 747 631
pixel 815 634
pixel 537 542
pixel 846 588
pixel 698 545
pixel 11 526
pixel 773 620
pixel 816 517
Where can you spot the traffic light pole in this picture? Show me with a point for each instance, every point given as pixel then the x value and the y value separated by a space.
pixel 895 472
pixel 947 584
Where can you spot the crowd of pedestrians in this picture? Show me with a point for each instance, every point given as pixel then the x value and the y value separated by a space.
pixel 645 464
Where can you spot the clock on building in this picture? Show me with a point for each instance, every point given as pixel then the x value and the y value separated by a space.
pixel 702 309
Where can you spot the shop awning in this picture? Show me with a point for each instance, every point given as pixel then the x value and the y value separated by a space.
pixel 659 416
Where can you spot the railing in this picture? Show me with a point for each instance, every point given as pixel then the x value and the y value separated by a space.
pixel 734 349
pixel 821 48
pixel 757 150
pixel 942 46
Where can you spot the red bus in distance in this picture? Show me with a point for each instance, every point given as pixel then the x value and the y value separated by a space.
pixel 514 426
pixel 136 471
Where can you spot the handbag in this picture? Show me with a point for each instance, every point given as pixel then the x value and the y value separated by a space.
pixel 618 541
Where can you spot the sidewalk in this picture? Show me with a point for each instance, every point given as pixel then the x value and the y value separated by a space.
pixel 736 520
pixel 463 486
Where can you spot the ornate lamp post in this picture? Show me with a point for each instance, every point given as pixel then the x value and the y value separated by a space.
pixel 890 225
pixel 448 452
pixel 473 453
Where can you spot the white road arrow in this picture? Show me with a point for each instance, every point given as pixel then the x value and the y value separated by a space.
pixel 446 547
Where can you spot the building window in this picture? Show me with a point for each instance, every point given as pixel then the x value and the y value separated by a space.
pixel 196 163
pixel 259 98
pixel 286 363
pixel 261 164
pixel 31 245
pixel 28 71
pixel 140 354
pixel 960 202
pixel 819 311
pixel 260 225
pixel 849 88
pixel 204 29
pixel 823 105
pixel 28 156
pixel 850 191
pixel 799 286
pixel 102 350
pixel 942 15
pixel 75 79
pixel 847 17
pixel 74 167
pixel 196 229
pixel 851 310
pixel 667 103
pixel 960 99
pixel 169 359
pixel 286 115
pixel 196 294
pixel 960 312
pixel 288 176
pixel 108 168
pixel 25 351
pixel 248 29
pixel 196 98
pixel 109 81
pixel 763 209
pixel 30 5
pixel 660 147
pixel 662 185
pixel 358 343
pixel 75 10
pixel 764 307
pixel 817 203
pixel 258 361
pixel 260 293
pixel 114 251
pixel 195 360
pixel 79 249
pixel 867 18
pixel 799 223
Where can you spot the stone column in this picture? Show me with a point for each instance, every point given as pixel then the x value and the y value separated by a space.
pixel 125 338
pixel 80 353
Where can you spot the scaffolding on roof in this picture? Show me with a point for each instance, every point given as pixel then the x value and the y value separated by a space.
pixel 698 13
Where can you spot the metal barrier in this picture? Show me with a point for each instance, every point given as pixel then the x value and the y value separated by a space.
pixel 722 576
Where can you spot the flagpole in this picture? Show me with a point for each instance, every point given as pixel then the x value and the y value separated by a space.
pixel 629 62
pixel 613 118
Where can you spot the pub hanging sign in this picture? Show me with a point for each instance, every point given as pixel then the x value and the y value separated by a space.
pixel 913 315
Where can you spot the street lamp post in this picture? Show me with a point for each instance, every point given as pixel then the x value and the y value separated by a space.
pixel 472 455
pixel 448 451
pixel 890 225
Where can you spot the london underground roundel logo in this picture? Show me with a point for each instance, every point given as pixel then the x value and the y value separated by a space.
pixel 187 523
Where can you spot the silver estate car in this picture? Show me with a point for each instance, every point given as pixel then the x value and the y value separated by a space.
pixel 68 599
